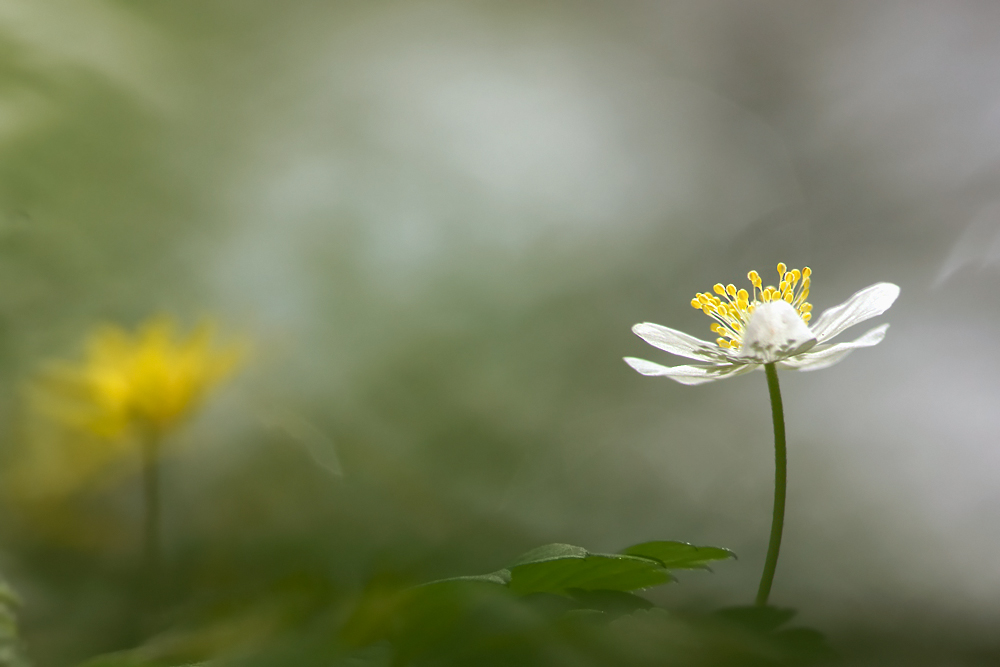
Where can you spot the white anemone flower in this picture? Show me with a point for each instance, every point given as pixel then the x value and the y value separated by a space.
pixel 769 326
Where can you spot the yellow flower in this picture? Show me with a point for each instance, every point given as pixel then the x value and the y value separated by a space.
pixel 89 418
pixel 147 380
pixel 97 420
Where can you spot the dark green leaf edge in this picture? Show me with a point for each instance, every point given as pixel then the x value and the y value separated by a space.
pixel 547 552
pixel 667 555
pixel 679 555
pixel 500 577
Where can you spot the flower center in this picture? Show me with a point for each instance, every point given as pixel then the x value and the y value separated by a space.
pixel 732 308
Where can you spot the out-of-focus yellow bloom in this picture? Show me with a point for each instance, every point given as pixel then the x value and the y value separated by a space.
pixel 88 419
pixel 147 380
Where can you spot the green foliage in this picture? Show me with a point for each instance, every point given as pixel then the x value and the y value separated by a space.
pixel 593 572
pixel 555 606
pixel 679 555
pixel 563 605
pixel 566 569
pixel 10 650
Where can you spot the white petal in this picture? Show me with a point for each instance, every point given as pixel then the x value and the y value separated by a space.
pixel 863 305
pixel 822 356
pixel 690 374
pixel 677 342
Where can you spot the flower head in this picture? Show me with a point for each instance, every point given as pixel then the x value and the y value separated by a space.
pixel 767 325
pixel 88 419
pixel 151 379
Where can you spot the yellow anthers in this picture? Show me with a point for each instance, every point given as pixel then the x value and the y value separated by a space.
pixel 732 314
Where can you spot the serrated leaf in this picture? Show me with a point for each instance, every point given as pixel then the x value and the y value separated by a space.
pixel 590 572
pixel 679 555
pixel 500 577
pixel 549 552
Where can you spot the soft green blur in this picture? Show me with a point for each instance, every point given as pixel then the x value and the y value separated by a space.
pixel 434 224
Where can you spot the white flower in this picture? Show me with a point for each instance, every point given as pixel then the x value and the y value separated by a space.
pixel 769 326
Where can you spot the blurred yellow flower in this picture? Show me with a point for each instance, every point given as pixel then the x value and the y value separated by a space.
pixel 149 380
pixel 94 420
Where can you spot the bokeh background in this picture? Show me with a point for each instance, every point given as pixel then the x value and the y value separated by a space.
pixel 436 222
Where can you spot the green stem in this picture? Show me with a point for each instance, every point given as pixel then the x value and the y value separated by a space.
pixel 780 481
pixel 151 497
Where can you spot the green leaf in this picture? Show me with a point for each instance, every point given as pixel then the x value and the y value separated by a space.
pixel 614 603
pixel 549 552
pixel 587 572
pixel 679 555
pixel 10 644
pixel 500 577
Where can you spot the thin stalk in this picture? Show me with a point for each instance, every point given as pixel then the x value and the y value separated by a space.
pixel 780 482
pixel 151 498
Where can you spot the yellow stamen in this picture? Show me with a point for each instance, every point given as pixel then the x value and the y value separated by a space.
pixel 732 314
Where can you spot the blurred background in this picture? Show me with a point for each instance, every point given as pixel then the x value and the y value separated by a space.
pixel 435 223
